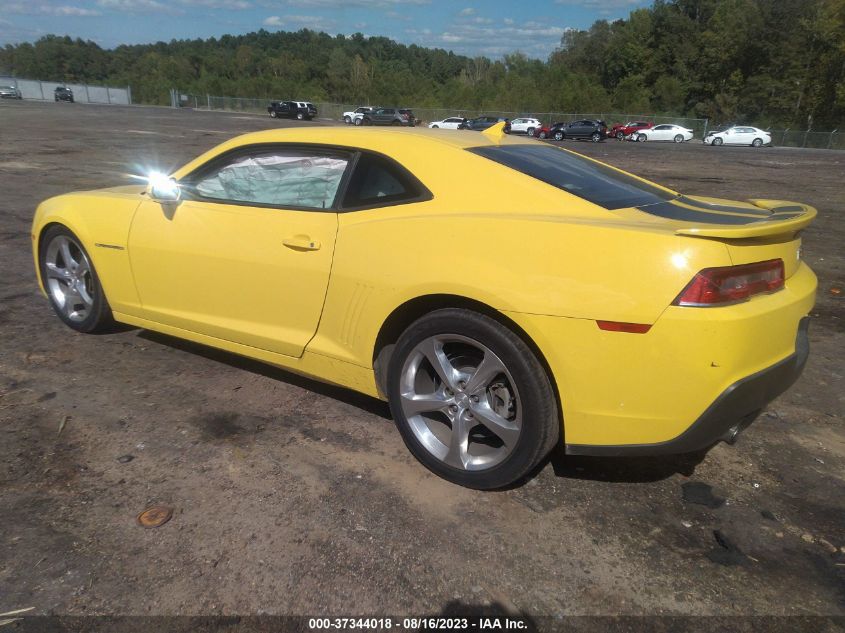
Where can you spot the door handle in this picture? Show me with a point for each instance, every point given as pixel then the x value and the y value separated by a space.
pixel 301 243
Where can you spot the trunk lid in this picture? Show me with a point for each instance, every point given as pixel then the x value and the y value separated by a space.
pixel 752 231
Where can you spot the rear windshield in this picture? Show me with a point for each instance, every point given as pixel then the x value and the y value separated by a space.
pixel 575 174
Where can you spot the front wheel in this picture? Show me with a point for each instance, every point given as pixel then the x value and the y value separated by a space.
pixel 717 141
pixel 530 131
pixel 678 138
pixel 543 135
pixel 359 121
pixel 435 127
pixel 471 400
pixel 272 114
pixel 347 120
pixel 757 142
pixel 71 282
pixel 641 138
pixel 620 136
pixel 559 136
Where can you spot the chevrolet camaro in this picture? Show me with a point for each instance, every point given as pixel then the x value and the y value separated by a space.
pixel 549 300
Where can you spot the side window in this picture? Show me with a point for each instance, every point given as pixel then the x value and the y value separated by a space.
pixel 279 178
pixel 377 181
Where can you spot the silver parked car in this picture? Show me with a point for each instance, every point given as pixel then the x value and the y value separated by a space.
pixel 9 92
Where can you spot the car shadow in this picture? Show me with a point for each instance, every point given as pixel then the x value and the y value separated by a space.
pixel 624 469
pixel 605 469
pixel 359 400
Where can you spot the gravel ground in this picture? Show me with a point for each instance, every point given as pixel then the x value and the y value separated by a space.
pixel 292 497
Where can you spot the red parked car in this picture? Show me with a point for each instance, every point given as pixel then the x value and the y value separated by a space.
pixel 621 131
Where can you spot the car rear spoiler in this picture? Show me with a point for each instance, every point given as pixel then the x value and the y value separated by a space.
pixel 785 217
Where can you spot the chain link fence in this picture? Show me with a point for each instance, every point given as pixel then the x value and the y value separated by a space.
pixel 334 111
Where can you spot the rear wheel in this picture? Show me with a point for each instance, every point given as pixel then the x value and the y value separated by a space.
pixel 471 400
pixel 71 282
pixel 435 127
pixel 757 142
pixel 272 114
pixel 543 134
pixel 620 135
pixel 678 138
pixel 359 121
pixel 299 116
pixel 595 137
pixel 530 131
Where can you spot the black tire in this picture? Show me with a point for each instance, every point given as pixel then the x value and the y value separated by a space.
pixel 359 121
pixel 559 136
pixel 541 428
pixel 530 131
pixel 757 142
pixel 543 135
pixel 99 318
pixel 641 138
pixel 620 136
pixel 595 137
pixel 679 138
pixel 273 114
pixel 299 116
pixel 347 120
pixel 717 141
pixel 435 127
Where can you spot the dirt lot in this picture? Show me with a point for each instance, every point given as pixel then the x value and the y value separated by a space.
pixel 292 497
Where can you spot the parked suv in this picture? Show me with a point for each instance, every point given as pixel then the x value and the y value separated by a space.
pixel 9 92
pixel 357 113
pixel 388 116
pixel 61 93
pixel 587 128
pixel 300 110
pixel 483 122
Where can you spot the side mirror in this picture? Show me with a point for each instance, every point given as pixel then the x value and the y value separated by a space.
pixel 163 189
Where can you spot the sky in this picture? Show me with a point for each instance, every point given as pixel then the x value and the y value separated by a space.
pixel 468 27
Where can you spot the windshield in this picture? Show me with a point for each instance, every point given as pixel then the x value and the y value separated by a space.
pixel 577 175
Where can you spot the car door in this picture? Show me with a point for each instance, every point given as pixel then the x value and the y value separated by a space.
pixel 747 135
pixel 518 125
pixel 659 133
pixel 451 123
pixel 245 256
pixel 384 115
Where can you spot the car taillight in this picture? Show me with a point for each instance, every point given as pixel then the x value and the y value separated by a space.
pixel 732 284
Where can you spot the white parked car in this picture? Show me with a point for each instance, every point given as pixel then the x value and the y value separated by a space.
pixel 664 132
pixel 450 123
pixel 349 117
pixel 739 135
pixel 525 126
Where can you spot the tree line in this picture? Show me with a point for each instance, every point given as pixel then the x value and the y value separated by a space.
pixel 766 62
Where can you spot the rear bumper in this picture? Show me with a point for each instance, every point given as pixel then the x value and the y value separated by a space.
pixel 731 413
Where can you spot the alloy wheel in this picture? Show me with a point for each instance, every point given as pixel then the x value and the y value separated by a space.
pixel 68 278
pixel 461 402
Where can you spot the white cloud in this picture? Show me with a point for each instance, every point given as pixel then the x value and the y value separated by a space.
pixel 347 4
pixel 508 21
pixel 232 5
pixel 604 7
pixel 22 8
pixel 467 37
pixel 467 11
pixel 138 6
pixel 314 22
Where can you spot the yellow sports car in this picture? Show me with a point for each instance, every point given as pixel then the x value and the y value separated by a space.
pixel 548 298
